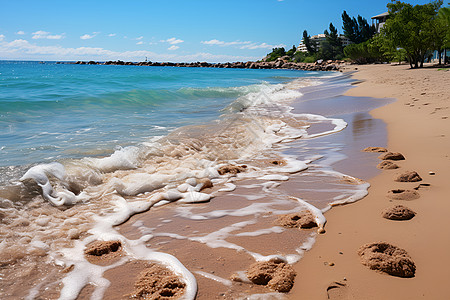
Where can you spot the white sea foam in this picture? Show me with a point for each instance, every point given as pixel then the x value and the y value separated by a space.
pixel 275 177
pixel 275 229
pixel 169 170
pixel 229 187
pixel 339 124
pixel 40 174
pixel 215 278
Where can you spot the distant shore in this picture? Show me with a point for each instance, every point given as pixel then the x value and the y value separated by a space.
pixel 329 65
pixel 418 127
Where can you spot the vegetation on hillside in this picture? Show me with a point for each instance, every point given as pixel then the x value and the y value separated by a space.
pixel 410 33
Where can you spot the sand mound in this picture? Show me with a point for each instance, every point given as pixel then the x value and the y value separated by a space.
pixel 391 156
pixel 387 165
pixel 398 213
pixel 206 183
pixel 400 194
pixel 387 258
pixel 409 176
pixel 375 149
pixel 157 282
pixel 231 169
pixel 99 248
pixel 303 219
pixel 276 275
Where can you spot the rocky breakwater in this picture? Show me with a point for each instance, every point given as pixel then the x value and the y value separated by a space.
pixel 329 65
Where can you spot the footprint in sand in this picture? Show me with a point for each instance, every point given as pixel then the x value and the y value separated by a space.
pixel 339 290
pixel 375 149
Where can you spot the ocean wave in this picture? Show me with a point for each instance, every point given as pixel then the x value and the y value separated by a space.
pixel 68 203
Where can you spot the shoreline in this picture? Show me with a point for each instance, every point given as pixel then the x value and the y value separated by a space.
pixel 418 127
pixel 245 211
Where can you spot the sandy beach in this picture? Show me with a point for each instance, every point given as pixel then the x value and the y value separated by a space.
pixel 418 127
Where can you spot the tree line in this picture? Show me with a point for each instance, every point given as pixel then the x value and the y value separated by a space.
pixel 410 33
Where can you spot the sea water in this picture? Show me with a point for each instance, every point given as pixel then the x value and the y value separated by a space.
pixel 85 147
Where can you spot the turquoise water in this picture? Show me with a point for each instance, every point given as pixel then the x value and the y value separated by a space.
pixel 86 147
pixel 55 111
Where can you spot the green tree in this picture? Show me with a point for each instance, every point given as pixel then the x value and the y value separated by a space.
pixel 292 51
pixel 369 51
pixel 411 28
pixel 350 28
pixel 332 46
pixel 366 31
pixel 310 45
pixel 440 31
pixel 444 17
pixel 276 53
pixel 357 30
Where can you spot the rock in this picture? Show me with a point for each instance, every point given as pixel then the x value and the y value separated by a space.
pixel 303 219
pixel 279 63
pixel 409 176
pixel 231 169
pixel 387 165
pixel 398 213
pixel 392 156
pixel 375 149
pixel 387 258
pixel 400 194
pixel 275 274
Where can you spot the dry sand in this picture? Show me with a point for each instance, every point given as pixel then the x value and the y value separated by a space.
pixel 418 127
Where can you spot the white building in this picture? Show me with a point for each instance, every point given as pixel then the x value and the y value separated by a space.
pixel 380 20
pixel 319 39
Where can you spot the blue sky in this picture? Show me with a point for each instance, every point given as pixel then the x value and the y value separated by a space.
pixel 166 30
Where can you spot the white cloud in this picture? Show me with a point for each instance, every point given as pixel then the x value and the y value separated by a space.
pixel 173 47
pixel 46 35
pixel 222 43
pixel 140 43
pixel 254 46
pixel 240 44
pixel 139 38
pixel 89 36
pixel 172 41
pixel 22 49
pixel 112 34
pixel 20 32
pixel 2 37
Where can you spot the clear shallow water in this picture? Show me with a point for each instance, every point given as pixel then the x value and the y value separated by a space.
pixel 52 111
pixel 95 145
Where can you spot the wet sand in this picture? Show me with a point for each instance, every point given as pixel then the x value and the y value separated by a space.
pixel 418 127
pixel 175 233
pixel 225 236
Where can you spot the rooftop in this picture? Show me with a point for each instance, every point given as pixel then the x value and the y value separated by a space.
pixel 380 16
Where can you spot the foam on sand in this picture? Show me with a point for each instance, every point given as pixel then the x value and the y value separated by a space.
pixel 189 166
